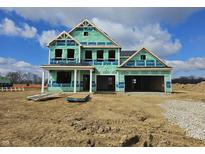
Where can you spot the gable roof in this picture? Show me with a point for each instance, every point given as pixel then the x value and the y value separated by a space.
pixel 137 52
pixel 87 23
pixel 59 37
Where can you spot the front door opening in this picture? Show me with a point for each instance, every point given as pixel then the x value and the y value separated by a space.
pixel 144 83
pixel 105 83
pixel 86 82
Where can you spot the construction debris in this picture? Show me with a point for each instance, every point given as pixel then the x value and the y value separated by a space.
pixel 44 96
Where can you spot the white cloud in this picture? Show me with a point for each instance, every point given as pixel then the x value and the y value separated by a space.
pixel 150 36
pixel 13 65
pixel 46 36
pixel 196 63
pixel 127 16
pixel 8 27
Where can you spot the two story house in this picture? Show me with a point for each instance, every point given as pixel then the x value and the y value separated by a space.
pixel 88 59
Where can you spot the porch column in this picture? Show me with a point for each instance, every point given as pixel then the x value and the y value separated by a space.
pixel 79 79
pixel 75 79
pixel 91 76
pixel 43 80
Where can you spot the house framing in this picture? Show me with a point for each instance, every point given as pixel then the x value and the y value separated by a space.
pixel 87 59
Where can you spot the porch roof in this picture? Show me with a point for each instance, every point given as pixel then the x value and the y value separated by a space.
pixel 67 67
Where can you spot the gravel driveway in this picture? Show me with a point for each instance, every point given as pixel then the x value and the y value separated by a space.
pixel 188 115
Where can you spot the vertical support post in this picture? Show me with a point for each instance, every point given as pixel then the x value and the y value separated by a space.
pixel 75 79
pixel 117 82
pixel 79 54
pixel 170 78
pixel 79 79
pixel 91 78
pixel 119 57
pixel 43 80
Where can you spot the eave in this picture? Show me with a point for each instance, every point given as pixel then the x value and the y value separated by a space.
pixel 144 68
pixel 101 47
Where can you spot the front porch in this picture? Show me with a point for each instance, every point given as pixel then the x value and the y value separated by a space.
pixel 68 78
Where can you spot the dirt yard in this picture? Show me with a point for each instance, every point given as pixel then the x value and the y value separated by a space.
pixel 106 120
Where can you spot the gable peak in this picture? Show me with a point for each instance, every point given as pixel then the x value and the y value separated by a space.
pixel 86 23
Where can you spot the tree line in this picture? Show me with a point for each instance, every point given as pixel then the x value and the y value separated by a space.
pixel 188 79
pixel 23 78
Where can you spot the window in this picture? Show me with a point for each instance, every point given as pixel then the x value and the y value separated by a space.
pixel 63 77
pixel 85 33
pixel 111 55
pixel 88 55
pixel 143 57
pixel 70 53
pixel 100 55
pixel 58 54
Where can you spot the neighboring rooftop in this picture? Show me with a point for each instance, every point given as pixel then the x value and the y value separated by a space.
pixel 127 53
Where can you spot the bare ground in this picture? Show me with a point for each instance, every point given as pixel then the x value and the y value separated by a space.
pixel 106 120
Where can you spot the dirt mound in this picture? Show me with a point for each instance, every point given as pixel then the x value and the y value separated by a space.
pixel 199 87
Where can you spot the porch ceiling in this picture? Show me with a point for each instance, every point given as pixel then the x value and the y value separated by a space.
pixel 64 67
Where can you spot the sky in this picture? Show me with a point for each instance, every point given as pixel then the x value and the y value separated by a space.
pixel 176 35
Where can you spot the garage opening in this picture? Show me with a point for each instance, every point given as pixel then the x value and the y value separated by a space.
pixel 144 83
pixel 105 83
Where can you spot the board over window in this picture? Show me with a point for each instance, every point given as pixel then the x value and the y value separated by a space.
pixel 100 55
pixel 63 77
pixel 111 55
pixel 70 54
pixel 88 55
pixel 58 54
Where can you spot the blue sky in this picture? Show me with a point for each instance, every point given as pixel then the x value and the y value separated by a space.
pixel 177 35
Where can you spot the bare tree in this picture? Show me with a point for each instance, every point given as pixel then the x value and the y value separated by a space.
pixel 24 78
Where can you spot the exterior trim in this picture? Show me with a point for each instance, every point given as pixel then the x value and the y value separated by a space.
pixel 50 67
pixel 101 47
pixel 141 69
